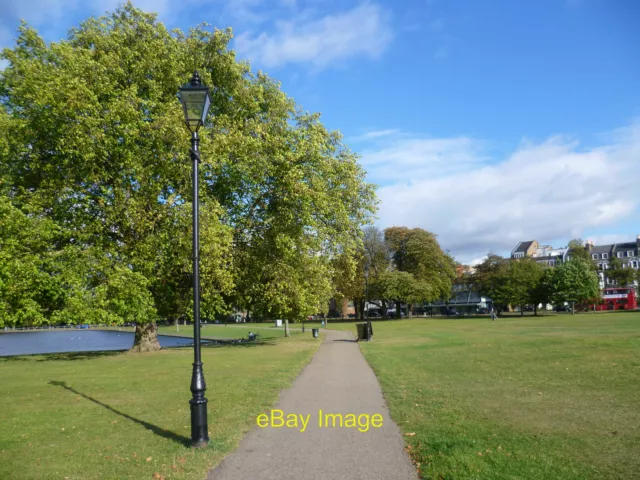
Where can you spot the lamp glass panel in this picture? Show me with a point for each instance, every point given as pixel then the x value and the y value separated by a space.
pixel 193 102
pixel 207 104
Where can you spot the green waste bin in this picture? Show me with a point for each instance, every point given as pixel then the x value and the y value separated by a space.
pixel 364 332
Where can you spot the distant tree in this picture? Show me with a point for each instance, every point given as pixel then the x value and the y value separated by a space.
pixel 417 252
pixel 623 274
pixel 543 291
pixel 488 277
pixel 403 287
pixel 577 249
pixel 377 262
pixel 522 278
pixel 574 281
pixel 357 274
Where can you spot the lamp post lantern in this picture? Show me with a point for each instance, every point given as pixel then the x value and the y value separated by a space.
pixel 196 101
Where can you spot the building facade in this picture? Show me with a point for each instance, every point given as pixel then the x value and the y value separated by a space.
pixel 627 252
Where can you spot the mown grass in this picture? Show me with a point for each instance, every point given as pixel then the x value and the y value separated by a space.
pixel 533 398
pixel 233 330
pixel 114 415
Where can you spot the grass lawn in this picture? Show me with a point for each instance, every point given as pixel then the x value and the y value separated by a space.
pixel 119 416
pixel 234 330
pixel 533 398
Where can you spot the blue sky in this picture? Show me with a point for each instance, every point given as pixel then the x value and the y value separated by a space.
pixel 485 121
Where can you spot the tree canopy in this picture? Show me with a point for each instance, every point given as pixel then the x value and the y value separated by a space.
pixel 94 148
pixel 575 282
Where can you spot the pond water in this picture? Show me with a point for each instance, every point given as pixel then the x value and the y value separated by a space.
pixel 77 340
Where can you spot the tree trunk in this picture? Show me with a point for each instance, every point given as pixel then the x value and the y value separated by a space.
pixel 409 310
pixel 384 308
pixel 398 311
pixel 286 328
pixel 535 310
pixel 521 310
pixel 146 339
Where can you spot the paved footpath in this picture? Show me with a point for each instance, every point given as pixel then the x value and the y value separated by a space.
pixel 337 380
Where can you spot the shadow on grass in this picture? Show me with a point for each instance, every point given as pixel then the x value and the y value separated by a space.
pixel 260 343
pixel 46 357
pixel 80 355
pixel 154 428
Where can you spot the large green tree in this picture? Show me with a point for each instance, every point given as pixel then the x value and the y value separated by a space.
pixel 94 141
pixel 574 281
pixel 488 277
pixel 417 252
pixel 520 284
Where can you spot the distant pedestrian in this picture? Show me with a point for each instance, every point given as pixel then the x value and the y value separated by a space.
pixel 494 315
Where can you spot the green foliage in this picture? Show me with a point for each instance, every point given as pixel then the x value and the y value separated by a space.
pixel 29 293
pixel 404 287
pixel 522 281
pixel 512 282
pixel 574 281
pixel 578 250
pixel 93 142
pixel 623 274
pixel 489 275
pixel 417 252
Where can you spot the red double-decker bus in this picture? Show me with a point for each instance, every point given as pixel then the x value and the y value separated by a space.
pixel 618 299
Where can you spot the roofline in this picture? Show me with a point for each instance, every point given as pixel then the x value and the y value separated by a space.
pixel 519 243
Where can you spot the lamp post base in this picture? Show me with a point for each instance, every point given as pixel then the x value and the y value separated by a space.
pixel 199 427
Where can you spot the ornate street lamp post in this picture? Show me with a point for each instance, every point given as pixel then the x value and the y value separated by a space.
pixel 196 101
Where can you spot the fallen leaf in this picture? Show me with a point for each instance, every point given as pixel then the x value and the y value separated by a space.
pixel 480 453
pixel 148 459
pixel 157 476
pixel 411 434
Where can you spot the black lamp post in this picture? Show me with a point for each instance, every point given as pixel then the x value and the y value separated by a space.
pixel 366 299
pixel 196 101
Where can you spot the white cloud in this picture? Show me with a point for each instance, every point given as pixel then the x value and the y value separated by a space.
pixel 38 12
pixel 541 191
pixel 409 158
pixel 362 31
pixel 607 239
pixel 375 134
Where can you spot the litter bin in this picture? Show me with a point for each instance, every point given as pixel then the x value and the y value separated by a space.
pixel 314 331
pixel 364 333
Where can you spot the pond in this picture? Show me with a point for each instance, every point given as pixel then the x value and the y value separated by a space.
pixel 77 340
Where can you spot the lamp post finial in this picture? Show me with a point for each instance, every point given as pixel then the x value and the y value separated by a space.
pixel 195 80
